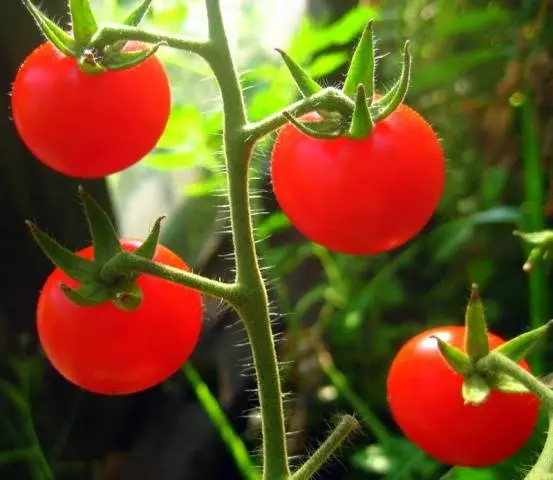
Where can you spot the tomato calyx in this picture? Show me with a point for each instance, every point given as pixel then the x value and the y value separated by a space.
pixel 97 286
pixel 80 43
pixel 479 382
pixel 359 85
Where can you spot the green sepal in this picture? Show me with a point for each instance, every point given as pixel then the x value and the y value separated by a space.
pixel 54 33
pixel 506 384
pixel 148 247
pixel 87 295
pixel 129 299
pixel 519 347
pixel 78 268
pixel 83 21
pixel 455 357
pixel 104 237
pixel 392 100
pixel 363 64
pixel 476 331
pixel 313 129
pixel 476 390
pixel 361 123
pixel 123 60
pixel 137 15
pixel 306 85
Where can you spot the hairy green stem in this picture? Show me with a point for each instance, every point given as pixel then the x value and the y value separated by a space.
pixel 327 99
pixel 127 262
pixel 343 430
pixel 110 33
pixel 253 304
pixel 543 468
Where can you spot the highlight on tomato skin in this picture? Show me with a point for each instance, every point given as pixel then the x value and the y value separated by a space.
pixel 425 399
pixel 89 125
pixel 107 350
pixel 360 196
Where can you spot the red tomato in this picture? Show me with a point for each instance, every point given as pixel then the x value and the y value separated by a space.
pixel 89 125
pixel 360 196
pixel 110 351
pixel 424 395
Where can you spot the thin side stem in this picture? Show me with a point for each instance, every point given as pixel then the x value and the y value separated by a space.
pixel 343 430
pixel 110 33
pixel 497 362
pixel 126 262
pixel 329 98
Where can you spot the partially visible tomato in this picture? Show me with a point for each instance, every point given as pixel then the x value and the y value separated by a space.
pixel 89 125
pixel 110 351
pixel 360 196
pixel 425 398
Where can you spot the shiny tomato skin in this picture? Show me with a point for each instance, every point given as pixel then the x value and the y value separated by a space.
pixel 89 125
pixel 424 395
pixel 106 350
pixel 364 196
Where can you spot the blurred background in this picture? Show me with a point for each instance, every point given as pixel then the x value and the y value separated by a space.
pixel 483 77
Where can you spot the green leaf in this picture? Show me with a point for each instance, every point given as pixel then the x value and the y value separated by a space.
pixel 306 85
pixel 447 71
pixel 362 68
pixel 475 390
pixel 76 267
pixel 83 21
pixel 148 247
pixel 476 333
pixel 137 15
pixel 61 40
pixel 519 347
pixel 471 21
pixel 311 38
pixel 104 237
pixel 170 14
pixel 327 63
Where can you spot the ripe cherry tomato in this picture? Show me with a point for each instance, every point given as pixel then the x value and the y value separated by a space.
pixel 89 125
pixel 110 351
pixel 360 196
pixel 424 395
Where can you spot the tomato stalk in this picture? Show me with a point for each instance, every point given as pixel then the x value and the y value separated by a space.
pixel 496 362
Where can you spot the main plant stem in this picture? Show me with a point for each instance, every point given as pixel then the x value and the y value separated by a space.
pixel 252 300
